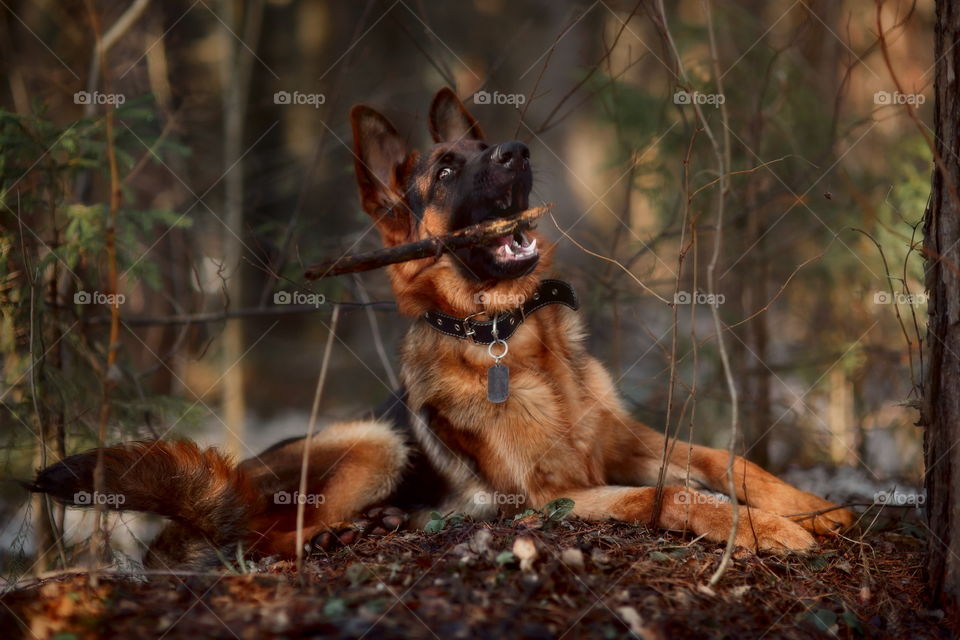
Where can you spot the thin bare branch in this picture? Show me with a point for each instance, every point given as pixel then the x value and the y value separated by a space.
pixel 610 260
pixel 434 246
pixel 314 410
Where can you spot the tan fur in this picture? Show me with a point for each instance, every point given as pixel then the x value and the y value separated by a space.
pixel 352 466
pixel 563 432
pixel 217 507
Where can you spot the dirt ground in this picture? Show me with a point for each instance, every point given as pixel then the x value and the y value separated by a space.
pixel 536 577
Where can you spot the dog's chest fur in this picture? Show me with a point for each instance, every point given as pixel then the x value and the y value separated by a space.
pixel 545 436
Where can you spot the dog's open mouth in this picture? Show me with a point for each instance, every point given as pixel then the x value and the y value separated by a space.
pixel 517 247
pixel 505 257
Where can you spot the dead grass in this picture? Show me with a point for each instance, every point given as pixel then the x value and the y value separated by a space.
pixel 583 580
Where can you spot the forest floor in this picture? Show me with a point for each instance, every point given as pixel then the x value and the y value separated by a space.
pixel 532 578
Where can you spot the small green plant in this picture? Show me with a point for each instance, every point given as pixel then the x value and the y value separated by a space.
pixel 438 522
pixel 54 221
pixel 552 513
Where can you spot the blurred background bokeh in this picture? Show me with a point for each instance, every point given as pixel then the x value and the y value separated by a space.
pixel 235 166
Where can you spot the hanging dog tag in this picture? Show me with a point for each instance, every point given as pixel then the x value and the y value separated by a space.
pixel 498 376
pixel 498 383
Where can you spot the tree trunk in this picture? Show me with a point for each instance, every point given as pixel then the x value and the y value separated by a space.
pixel 941 402
pixel 754 278
pixel 243 18
pixel 758 415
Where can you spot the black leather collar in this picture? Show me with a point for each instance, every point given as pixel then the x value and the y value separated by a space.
pixel 507 322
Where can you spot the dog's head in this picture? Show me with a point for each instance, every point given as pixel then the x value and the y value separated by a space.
pixel 460 181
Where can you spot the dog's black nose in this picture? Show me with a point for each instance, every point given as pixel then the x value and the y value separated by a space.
pixel 512 155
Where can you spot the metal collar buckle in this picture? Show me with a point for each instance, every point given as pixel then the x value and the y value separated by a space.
pixel 467 329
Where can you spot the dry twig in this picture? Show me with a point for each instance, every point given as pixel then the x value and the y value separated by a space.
pixel 305 461
pixel 433 246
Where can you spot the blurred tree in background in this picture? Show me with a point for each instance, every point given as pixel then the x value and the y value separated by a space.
pixel 235 165
pixel 940 410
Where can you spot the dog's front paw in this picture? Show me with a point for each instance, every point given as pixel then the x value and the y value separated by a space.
pixel 756 529
pixel 760 530
pixel 816 515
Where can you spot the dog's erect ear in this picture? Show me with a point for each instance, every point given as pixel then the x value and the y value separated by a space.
pixel 450 120
pixel 381 160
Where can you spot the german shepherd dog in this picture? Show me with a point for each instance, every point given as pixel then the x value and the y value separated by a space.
pixel 499 397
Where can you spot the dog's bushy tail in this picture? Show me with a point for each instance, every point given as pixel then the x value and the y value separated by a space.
pixel 199 488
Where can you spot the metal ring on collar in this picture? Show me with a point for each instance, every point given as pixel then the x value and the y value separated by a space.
pixel 506 348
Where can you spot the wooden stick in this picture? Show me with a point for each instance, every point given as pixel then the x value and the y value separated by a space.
pixel 428 247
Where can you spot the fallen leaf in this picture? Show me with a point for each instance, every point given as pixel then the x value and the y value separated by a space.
pixel 526 551
pixel 706 590
pixel 573 558
pixel 480 542
pixel 739 592
pixel 635 622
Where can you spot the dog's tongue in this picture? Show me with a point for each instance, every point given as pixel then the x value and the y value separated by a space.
pixel 502 240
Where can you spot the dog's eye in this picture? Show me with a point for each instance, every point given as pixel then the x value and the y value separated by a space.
pixel 445 174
